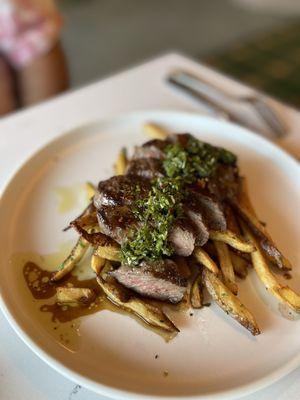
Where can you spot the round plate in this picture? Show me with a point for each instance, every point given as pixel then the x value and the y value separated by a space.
pixel 212 356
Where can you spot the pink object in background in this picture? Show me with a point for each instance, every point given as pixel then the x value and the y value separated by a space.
pixel 28 28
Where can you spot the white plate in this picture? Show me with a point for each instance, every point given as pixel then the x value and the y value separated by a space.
pixel 212 357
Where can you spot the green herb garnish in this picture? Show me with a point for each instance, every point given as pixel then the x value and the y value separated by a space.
pixel 156 213
pixel 195 160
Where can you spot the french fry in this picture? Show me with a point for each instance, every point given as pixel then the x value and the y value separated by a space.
pixel 283 293
pixel 229 302
pixel 231 220
pixel 232 240
pixel 90 189
pixel 203 258
pixel 110 252
pixel 226 266
pixel 147 312
pixel 87 218
pixel 121 162
pixel 74 296
pixel 195 292
pixel 240 265
pixel 73 258
pixel 246 212
pixel 97 263
pixel 155 131
pixel 96 239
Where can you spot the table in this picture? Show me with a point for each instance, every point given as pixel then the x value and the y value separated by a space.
pixel 23 376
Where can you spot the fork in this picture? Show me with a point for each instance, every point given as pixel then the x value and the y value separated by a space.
pixel 201 89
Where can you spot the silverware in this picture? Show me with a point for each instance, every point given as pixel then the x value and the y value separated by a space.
pixel 207 93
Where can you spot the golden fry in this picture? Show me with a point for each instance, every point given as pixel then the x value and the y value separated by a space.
pixel 147 312
pixel 87 219
pixel 229 302
pixel 90 189
pixel 74 296
pixel 282 292
pixel 195 292
pixel 93 237
pixel 246 212
pixel 232 240
pixel 97 263
pixel 73 258
pixel 240 265
pixel 231 221
pixel 121 162
pixel 109 252
pixel 226 266
pixel 155 131
pixel 203 258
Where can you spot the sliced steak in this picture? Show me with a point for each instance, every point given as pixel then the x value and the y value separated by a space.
pixel 201 230
pixel 182 138
pixel 225 182
pixel 152 149
pixel 210 210
pixel 158 280
pixel 182 237
pixel 120 190
pixel 116 222
pixel 147 168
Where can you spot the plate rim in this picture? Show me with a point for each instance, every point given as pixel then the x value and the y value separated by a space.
pixel 104 389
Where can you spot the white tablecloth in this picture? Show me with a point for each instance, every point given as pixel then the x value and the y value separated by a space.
pixel 23 376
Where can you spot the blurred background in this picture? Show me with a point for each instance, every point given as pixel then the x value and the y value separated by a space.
pixel 256 41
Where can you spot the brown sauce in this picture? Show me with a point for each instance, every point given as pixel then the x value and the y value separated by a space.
pixel 38 281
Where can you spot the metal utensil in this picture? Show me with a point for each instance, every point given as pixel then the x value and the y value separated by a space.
pixel 206 92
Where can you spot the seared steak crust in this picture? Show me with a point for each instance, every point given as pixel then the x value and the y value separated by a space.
pixel 151 149
pixel 120 190
pixel 147 168
pixel 116 222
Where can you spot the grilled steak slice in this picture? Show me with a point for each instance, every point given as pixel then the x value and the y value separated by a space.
pixel 182 237
pixel 158 280
pixel 182 138
pixel 120 190
pixel 225 182
pixel 201 231
pixel 116 222
pixel 152 149
pixel 147 168
pixel 210 210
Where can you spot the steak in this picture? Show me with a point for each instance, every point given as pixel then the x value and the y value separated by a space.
pixel 156 148
pixel 147 168
pixel 225 183
pixel 116 218
pixel 182 237
pixel 152 149
pixel 202 211
pixel 120 190
pixel 210 210
pixel 157 279
pixel 116 222
pixel 201 231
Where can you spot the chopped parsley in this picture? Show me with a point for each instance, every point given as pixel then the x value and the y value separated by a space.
pixel 195 160
pixel 156 213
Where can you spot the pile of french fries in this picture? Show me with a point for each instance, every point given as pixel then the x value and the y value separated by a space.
pixel 227 255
